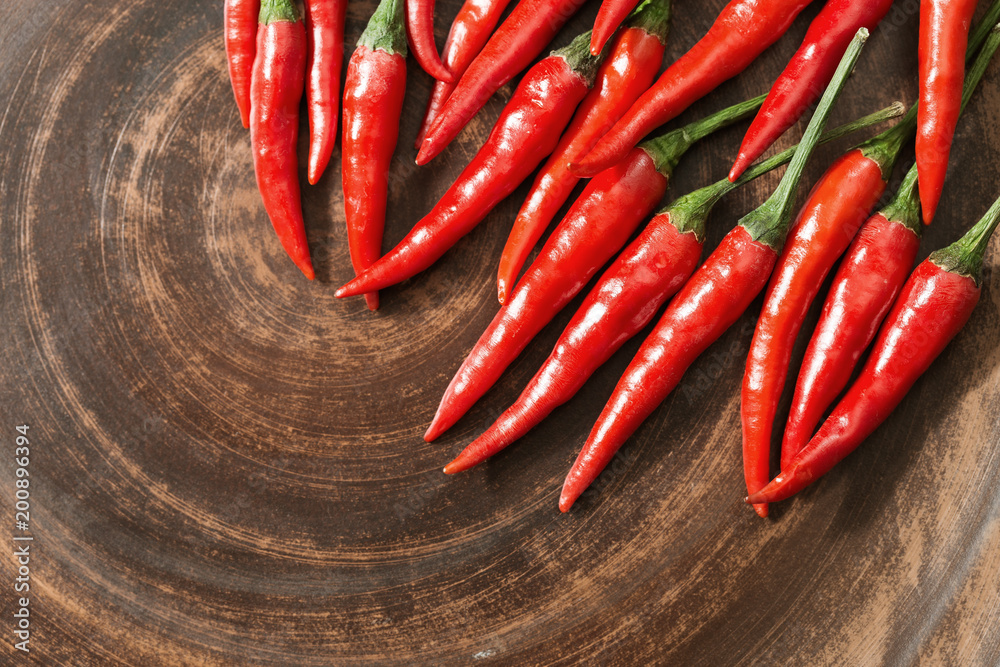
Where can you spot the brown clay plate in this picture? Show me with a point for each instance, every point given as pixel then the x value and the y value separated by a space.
pixel 227 464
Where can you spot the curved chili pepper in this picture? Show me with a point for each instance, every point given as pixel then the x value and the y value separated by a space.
pixel 944 31
pixel 609 17
pixel 525 33
pixel 240 18
pixel 934 305
pixel 743 30
pixel 836 208
pixel 526 132
pixel 373 102
pixel 870 277
pixel 275 92
pixel 420 26
pixel 631 66
pixel 595 228
pixel 865 287
pixel 325 42
pixel 708 304
pixel 807 73
pixel 625 299
pixel 469 32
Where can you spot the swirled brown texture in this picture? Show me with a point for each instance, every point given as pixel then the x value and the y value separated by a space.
pixel 227 464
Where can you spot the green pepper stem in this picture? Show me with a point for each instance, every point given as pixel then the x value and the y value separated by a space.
pixel 905 206
pixel 577 56
pixel 769 222
pixel 272 11
pixel 965 256
pixel 386 29
pixel 666 150
pixel 654 16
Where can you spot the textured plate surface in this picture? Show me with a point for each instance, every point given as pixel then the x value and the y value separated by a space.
pixel 227 464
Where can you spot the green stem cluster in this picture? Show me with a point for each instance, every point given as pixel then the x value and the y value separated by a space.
pixel 690 212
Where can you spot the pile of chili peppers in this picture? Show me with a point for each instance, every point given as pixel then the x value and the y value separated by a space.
pixel 591 110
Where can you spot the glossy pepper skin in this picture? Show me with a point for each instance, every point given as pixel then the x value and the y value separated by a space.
pixel 807 73
pixel 834 211
pixel 743 30
pixel 708 304
pixel 518 40
pixel 601 221
pixel 932 308
pixel 420 26
pixel 609 17
pixel 595 228
pixel 866 285
pixel 275 92
pixel 526 132
pixel 631 66
pixel 625 299
pixel 240 18
pixel 944 31
pixel 373 103
pixel 469 32
pixel 325 42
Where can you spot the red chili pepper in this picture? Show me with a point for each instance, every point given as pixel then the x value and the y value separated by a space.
pixel 275 92
pixel 834 211
pixel 469 32
pixel 622 303
pixel 325 42
pixel 240 18
pixel 420 26
pixel 807 73
pixel 944 31
pixel 630 68
pixel 609 17
pixel 526 132
pixel 934 305
pixel 865 287
pixel 518 40
pixel 741 33
pixel 595 228
pixel 711 301
pixel 373 102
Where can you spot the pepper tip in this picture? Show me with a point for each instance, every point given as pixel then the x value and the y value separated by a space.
pixel 584 169
pixel 432 432
pixel 424 154
pixel 566 499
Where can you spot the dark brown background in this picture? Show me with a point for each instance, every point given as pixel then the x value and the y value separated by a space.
pixel 227 463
